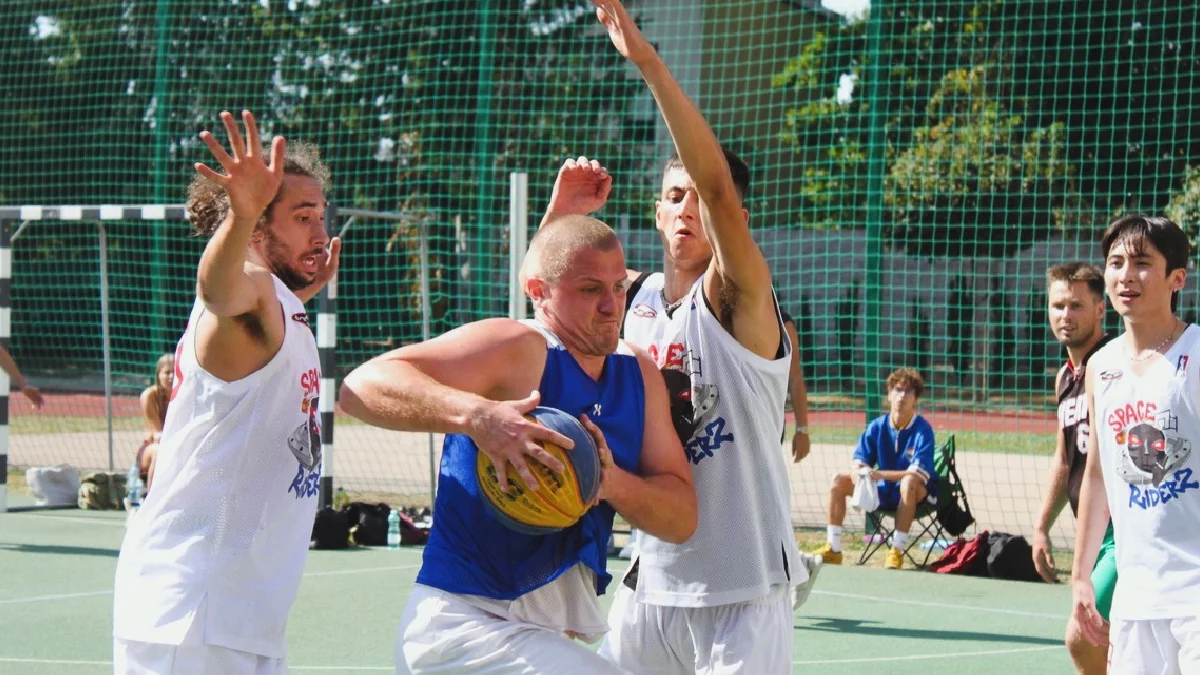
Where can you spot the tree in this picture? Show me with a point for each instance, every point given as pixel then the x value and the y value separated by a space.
pixel 1006 121
pixel 419 106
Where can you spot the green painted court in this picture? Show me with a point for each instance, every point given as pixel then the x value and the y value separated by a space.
pixel 56 610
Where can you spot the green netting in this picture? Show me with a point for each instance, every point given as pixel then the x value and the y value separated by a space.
pixel 914 175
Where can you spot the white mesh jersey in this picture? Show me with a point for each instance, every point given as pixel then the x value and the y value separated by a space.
pixel 1148 428
pixel 727 407
pixel 223 536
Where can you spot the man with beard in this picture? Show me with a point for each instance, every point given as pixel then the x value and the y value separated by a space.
pixel 490 599
pixel 1075 292
pixel 211 563
pixel 1142 470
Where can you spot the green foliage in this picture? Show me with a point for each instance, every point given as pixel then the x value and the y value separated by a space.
pixel 1004 121
pixel 1184 207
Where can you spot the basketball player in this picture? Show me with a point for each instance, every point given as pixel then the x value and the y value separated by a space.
pixel 720 602
pixel 1075 292
pixel 489 599
pixel 211 563
pixel 1144 400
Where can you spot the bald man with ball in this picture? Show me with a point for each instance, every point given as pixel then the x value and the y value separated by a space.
pixel 489 598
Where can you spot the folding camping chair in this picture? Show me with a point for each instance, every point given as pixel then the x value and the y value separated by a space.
pixel 950 516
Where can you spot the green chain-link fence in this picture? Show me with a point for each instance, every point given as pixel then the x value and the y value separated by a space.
pixel 916 168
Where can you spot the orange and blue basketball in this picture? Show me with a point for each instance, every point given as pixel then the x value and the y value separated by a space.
pixel 562 497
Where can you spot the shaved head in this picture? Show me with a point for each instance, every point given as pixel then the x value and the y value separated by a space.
pixel 557 242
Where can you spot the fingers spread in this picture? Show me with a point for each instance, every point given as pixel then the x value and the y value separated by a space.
pixel 524 472
pixel 208 173
pixel 217 150
pixel 278 148
pixel 548 435
pixel 549 461
pixel 235 135
pixel 252 134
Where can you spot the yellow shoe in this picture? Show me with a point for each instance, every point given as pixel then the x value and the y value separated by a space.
pixel 829 556
pixel 894 559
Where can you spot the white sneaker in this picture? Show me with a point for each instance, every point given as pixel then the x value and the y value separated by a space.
pixel 800 593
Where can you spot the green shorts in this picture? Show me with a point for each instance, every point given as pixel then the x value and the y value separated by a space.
pixel 1104 573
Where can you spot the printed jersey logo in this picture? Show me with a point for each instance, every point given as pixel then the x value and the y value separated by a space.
pixel 1109 375
pixel 643 311
pixel 305 440
pixel 1073 412
pixel 1181 366
pixel 300 317
pixel 1152 454
pixel 693 404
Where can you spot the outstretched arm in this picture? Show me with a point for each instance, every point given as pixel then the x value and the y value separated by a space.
pixel 223 282
pixel 738 280
pixel 477 380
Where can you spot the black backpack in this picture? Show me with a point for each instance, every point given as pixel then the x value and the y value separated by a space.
pixel 1009 556
pixel 368 523
pixel 331 530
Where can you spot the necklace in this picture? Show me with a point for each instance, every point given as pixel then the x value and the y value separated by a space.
pixel 1152 352
pixel 670 307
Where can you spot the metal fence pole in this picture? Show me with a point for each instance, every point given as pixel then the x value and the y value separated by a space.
pixel 5 333
pixel 107 341
pixel 327 351
pixel 426 310
pixel 518 235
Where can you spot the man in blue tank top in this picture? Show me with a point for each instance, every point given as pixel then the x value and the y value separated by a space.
pixel 488 598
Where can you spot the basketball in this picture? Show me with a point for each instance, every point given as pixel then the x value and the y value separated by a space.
pixel 562 497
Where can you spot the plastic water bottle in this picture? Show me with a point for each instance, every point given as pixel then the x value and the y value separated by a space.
pixel 393 539
pixel 133 497
pixel 340 499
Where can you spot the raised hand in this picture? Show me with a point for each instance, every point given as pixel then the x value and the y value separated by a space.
pixel 249 181
pixel 623 32
pixel 503 433
pixel 582 187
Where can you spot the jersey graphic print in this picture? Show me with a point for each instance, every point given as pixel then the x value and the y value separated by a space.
pixel 693 403
pixel 305 441
pixel 1151 454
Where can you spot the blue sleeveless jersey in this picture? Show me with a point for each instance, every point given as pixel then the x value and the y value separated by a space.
pixel 471 552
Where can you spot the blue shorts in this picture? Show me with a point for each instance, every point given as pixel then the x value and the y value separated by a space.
pixel 889 495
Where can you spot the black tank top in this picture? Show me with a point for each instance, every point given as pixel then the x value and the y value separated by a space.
pixel 1073 422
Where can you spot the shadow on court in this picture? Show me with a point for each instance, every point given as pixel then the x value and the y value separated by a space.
pixel 60 550
pixel 878 629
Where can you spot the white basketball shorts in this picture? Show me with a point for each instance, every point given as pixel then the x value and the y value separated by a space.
pixel 442 634
pixel 747 638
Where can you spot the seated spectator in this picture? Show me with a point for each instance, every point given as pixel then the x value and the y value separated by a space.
pixel 154 407
pixel 898 449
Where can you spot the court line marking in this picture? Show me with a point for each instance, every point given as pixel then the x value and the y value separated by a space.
pixel 107 522
pixel 327 573
pixel 878 659
pixel 942 605
pixel 925 657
